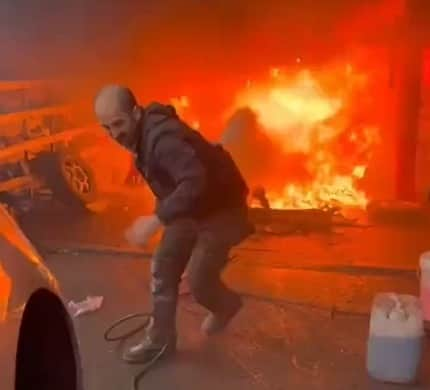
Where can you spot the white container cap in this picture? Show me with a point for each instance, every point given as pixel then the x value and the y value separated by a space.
pixel 425 261
pixel 395 315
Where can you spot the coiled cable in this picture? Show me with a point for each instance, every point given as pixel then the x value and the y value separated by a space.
pixel 146 321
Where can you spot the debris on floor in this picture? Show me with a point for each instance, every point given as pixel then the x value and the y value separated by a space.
pixel 88 305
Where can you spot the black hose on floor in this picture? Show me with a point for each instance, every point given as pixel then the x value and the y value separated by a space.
pixel 146 320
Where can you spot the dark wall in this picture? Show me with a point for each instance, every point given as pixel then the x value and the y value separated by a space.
pixel 45 38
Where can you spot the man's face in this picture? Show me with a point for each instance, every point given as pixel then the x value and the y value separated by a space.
pixel 122 127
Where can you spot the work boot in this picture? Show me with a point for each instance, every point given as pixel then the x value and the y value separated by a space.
pixel 153 346
pixel 217 322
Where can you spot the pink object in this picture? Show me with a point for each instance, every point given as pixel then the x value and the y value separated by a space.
pixel 425 303
pixel 88 305
pixel 425 285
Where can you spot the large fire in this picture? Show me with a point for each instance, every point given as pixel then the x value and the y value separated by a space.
pixel 316 118
pixel 315 135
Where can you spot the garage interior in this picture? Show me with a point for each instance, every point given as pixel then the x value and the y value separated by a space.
pixel 325 109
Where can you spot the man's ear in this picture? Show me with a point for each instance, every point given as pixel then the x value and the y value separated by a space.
pixel 137 113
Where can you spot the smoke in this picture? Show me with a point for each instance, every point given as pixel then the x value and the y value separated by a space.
pixel 48 39
pixel 168 48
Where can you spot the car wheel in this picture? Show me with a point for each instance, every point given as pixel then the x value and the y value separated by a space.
pixel 48 167
pixel 79 177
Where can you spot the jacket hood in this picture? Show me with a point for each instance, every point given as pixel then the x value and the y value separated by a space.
pixel 158 119
pixel 155 113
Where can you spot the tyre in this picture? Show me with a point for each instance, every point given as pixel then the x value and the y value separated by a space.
pixel 49 167
pixel 79 177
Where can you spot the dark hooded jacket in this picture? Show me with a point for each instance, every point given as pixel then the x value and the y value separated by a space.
pixel 190 177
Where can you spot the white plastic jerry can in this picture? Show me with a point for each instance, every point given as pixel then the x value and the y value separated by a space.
pixel 395 341
pixel 425 287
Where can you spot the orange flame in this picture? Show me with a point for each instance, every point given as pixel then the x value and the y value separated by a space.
pixel 182 106
pixel 291 112
pixel 302 117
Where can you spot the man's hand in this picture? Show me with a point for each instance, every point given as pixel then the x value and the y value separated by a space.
pixel 142 229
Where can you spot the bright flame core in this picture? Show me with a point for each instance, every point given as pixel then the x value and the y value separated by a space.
pixel 290 113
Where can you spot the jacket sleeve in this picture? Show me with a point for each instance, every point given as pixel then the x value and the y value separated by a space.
pixel 178 159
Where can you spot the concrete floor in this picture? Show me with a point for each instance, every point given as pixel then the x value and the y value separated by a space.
pixel 345 268
pixel 269 345
pixel 307 343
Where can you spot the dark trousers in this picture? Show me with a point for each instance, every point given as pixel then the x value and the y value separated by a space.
pixel 206 246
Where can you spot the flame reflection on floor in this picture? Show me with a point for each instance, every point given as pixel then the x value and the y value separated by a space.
pixel 16 250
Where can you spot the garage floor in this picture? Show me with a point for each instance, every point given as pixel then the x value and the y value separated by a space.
pixel 301 327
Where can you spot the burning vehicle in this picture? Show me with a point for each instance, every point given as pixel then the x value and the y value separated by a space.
pixel 44 148
pixel 303 138
pixel 313 149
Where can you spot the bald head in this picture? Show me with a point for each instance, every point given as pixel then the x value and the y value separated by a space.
pixel 113 99
pixel 117 110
